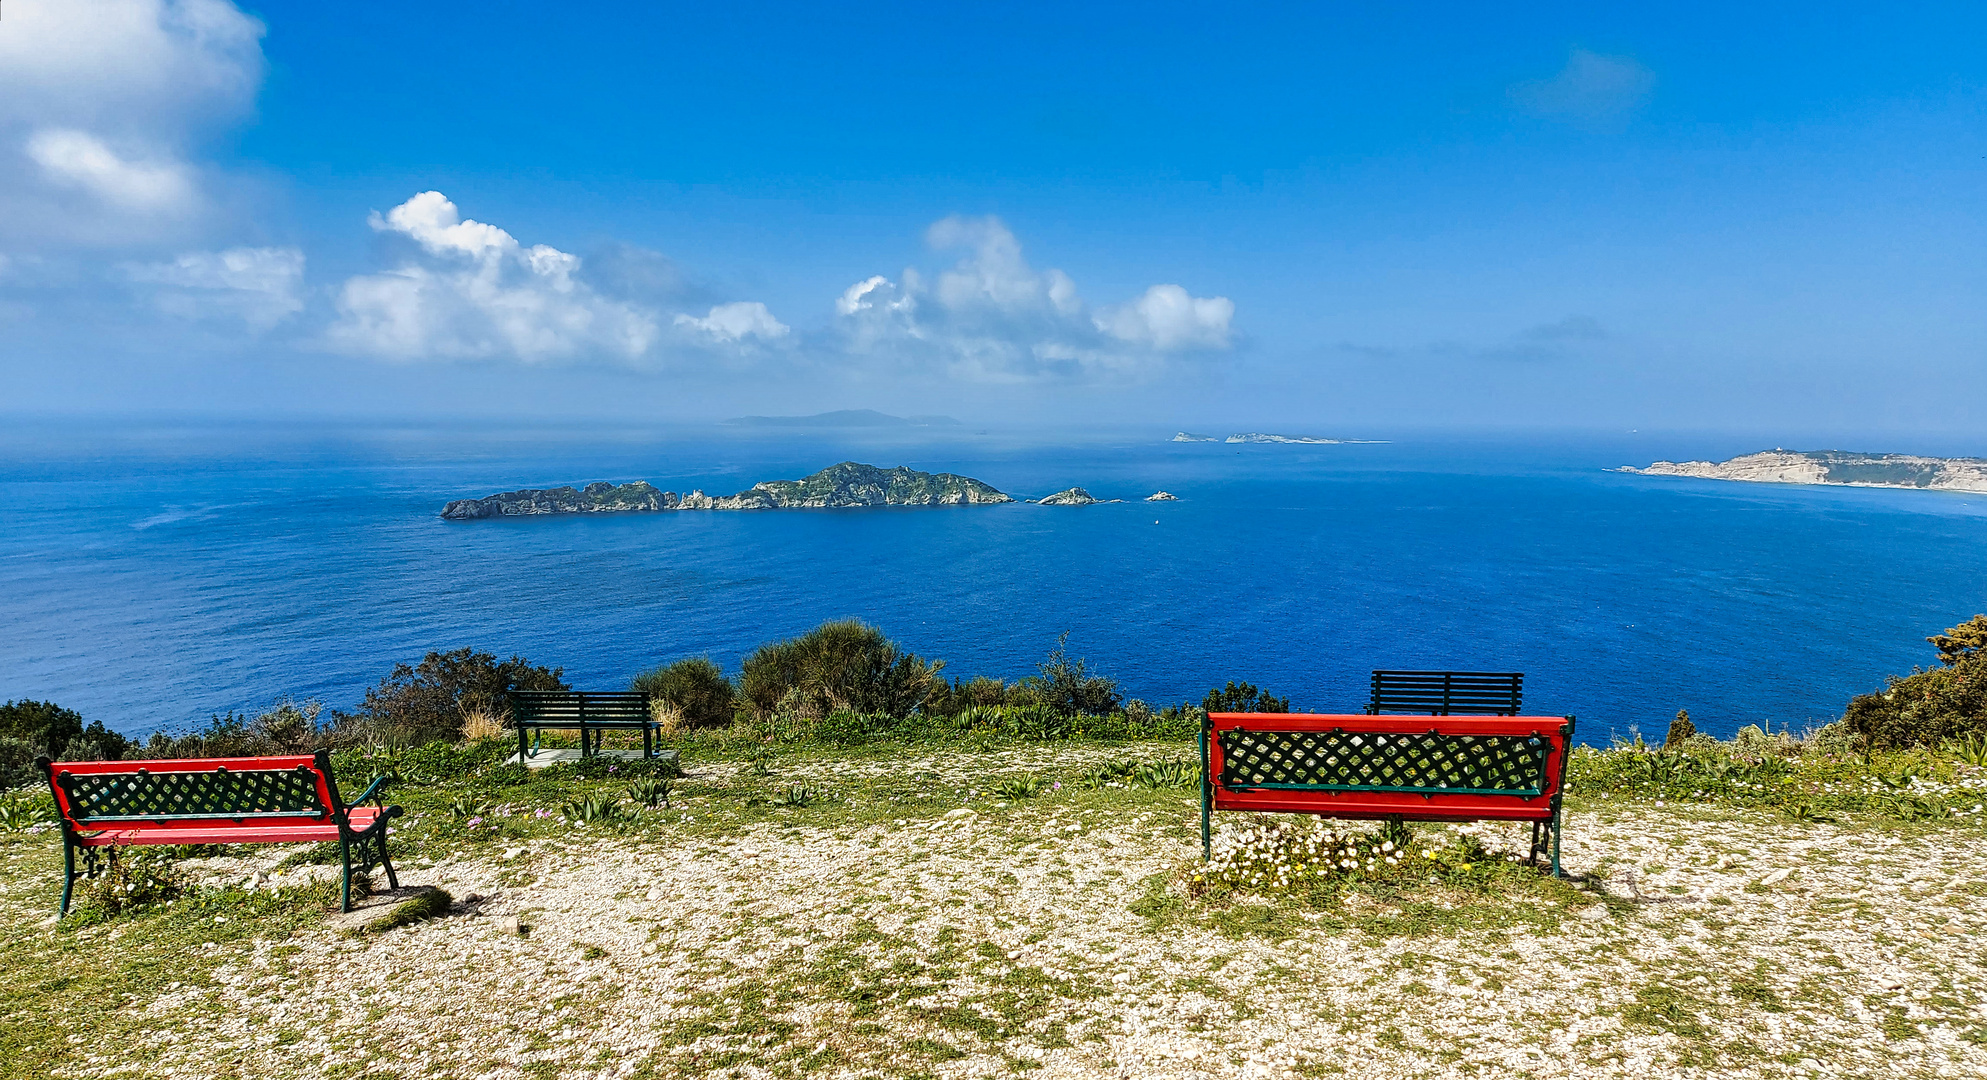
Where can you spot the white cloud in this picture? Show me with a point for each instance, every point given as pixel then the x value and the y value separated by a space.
pixel 1590 87
pixel 481 294
pixel 1167 319
pixel 992 316
pixel 79 159
pixel 737 322
pixel 259 286
pixel 104 105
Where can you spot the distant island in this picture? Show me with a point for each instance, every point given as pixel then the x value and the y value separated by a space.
pixel 848 484
pixel 1834 467
pixel 1261 437
pixel 1075 496
pixel 844 418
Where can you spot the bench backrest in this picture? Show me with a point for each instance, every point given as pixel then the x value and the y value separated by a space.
pixel 1447 693
pixel 1416 767
pixel 193 793
pixel 552 707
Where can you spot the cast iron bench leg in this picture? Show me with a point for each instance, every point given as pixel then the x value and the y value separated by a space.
pixel 68 870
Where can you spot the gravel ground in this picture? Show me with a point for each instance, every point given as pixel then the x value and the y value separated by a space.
pixel 982 943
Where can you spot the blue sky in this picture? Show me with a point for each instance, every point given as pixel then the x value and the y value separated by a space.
pixel 1338 217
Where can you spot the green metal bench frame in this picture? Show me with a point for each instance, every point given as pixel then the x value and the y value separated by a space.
pixel 265 800
pixel 593 713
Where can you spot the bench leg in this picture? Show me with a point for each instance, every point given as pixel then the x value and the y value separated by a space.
pixel 1555 844
pixel 68 871
pixel 345 857
pixel 392 880
pixel 1206 803
pixel 522 756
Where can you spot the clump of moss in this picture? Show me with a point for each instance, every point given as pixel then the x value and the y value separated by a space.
pixel 432 904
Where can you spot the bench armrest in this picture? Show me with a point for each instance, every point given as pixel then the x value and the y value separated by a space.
pixel 372 792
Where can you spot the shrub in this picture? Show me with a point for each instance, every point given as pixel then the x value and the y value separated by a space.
pixel 1681 730
pixel 1932 707
pixel 1067 688
pixel 287 727
pixel 1967 641
pixel 51 729
pixel 429 701
pixel 17 758
pixel 837 666
pixel 695 688
pixel 1926 708
pixel 1243 697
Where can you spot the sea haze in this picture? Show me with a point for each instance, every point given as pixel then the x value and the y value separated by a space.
pixel 151 577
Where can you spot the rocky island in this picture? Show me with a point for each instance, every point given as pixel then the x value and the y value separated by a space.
pixel 848 484
pixel 1833 467
pixel 1075 496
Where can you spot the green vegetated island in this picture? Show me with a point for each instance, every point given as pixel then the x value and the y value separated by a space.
pixel 1839 467
pixel 845 485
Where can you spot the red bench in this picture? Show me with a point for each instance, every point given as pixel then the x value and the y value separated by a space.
pixel 1417 768
pixel 260 800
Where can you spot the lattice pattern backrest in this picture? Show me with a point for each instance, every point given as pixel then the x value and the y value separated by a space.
pixel 1346 760
pixel 222 793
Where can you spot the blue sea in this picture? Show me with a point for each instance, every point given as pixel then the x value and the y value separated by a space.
pixel 153 575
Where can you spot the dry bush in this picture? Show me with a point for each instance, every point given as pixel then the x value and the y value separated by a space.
pixel 667 714
pixel 480 724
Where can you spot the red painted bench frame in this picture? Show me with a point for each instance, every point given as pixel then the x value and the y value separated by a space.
pixel 349 825
pixel 1543 808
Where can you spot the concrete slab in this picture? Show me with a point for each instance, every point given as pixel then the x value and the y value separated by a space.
pixel 548 756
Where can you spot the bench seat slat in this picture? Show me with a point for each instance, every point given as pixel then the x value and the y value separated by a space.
pixel 199 833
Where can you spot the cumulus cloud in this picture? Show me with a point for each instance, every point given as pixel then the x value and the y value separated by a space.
pixel 737 322
pixel 1167 319
pixel 1590 87
pixel 104 105
pixel 259 286
pixel 479 293
pixel 993 316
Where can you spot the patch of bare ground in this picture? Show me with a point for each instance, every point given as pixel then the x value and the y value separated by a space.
pixel 1053 937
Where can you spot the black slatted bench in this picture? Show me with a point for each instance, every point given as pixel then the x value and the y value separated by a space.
pixel 591 713
pixel 1446 693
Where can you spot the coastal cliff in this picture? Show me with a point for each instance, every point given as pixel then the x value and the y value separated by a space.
pixel 848 484
pixel 1833 467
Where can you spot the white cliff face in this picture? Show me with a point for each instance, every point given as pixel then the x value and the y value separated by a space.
pixel 1835 467
pixel 1771 467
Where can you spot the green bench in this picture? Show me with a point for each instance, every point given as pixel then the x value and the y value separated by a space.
pixel 591 713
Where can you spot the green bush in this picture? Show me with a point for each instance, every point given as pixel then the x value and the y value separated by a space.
pixel 1243 698
pixel 1932 707
pixel 58 732
pixel 1066 687
pixel 17 758
pixel 837 666
pixel 430 701
pixel 284 728
pixel 695 688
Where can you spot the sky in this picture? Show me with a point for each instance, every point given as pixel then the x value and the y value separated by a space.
pixel 1329 218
